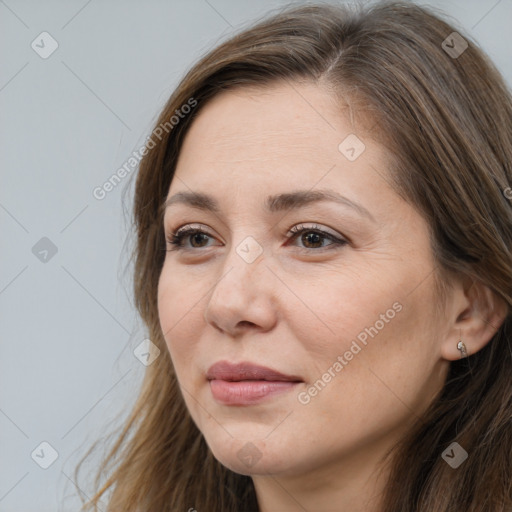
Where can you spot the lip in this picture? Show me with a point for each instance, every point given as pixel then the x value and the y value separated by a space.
pixel 247 383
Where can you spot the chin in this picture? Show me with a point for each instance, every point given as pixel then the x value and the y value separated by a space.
pixel 256 457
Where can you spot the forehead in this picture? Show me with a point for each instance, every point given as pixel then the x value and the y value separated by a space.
pixel 277 114
pixel 276 125
pixel 254 142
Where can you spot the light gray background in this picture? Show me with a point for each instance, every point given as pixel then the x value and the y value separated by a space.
pixel 68 122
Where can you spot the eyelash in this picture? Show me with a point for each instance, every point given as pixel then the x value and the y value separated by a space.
pixel 176 239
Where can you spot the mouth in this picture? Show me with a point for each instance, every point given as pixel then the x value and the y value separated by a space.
pixel 247 383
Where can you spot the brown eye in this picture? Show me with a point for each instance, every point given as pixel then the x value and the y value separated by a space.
pixel 196 237
pixel 313 237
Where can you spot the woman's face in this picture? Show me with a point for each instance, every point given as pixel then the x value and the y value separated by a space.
pixel 344 310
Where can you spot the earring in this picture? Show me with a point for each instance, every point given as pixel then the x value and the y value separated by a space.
pixel 462 348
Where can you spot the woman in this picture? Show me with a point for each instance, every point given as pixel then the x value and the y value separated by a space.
pixel 324 262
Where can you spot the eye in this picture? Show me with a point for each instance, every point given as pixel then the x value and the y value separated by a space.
pixel 196 236
pixel 312 236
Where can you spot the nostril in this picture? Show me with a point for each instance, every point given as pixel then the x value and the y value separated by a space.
pixel 245 323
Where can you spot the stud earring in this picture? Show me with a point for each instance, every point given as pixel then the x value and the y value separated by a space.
pixel 462 348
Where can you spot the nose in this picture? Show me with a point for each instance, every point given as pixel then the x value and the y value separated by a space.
pixel 243 296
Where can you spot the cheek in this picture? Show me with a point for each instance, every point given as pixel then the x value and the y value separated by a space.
pixel 371 331
pixel 180 315
pixel 338 308
pixel 387 370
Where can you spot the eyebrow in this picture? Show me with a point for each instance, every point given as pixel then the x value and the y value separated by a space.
pixel 275 203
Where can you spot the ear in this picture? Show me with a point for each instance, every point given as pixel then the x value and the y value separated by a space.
pixel 475 314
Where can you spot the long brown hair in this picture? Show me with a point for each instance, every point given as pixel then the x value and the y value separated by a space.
pixel 446 115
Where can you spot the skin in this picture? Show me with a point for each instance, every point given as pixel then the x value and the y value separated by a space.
pixel 297 307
